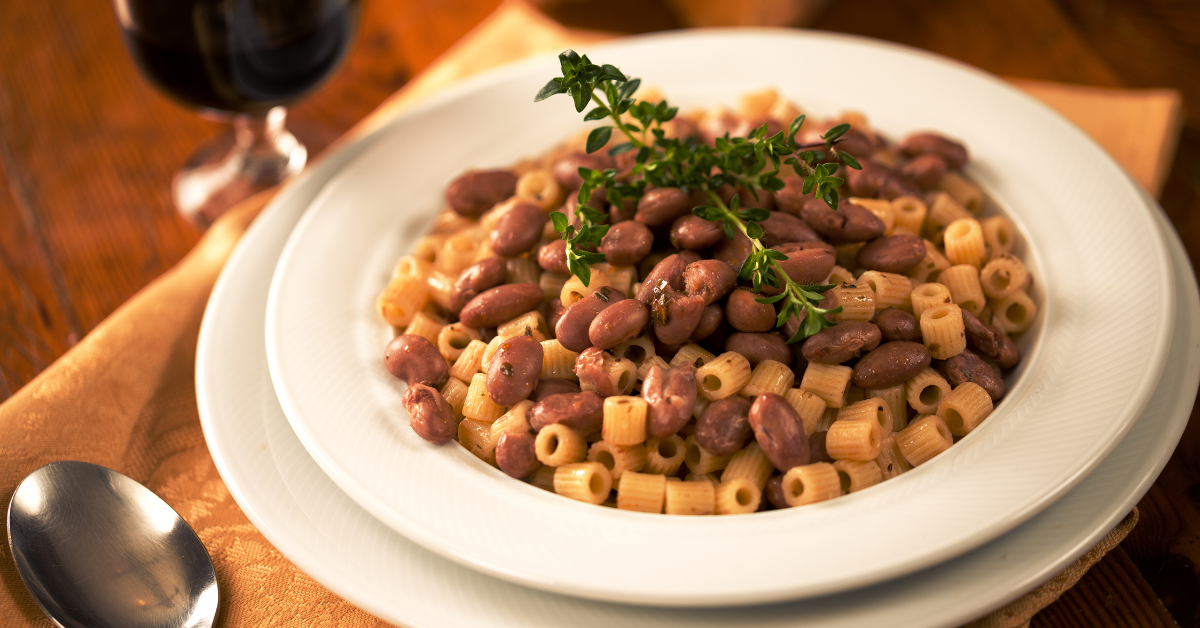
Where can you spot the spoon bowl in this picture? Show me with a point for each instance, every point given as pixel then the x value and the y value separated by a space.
pixel 97 549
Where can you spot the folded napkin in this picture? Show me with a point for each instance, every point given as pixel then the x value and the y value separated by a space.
pixel 124 397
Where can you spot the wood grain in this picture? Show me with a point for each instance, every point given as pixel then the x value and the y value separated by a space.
pixel 87 150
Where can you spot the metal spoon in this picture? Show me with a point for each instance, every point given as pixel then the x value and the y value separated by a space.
pixel 96 549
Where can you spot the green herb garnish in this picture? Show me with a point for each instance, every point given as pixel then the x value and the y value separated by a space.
pixel 751 163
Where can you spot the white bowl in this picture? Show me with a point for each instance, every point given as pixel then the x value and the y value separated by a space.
pixel 1093 247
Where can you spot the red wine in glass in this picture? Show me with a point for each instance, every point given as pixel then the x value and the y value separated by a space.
pixel 242 60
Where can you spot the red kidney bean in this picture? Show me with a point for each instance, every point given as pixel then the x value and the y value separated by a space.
pixel 779 431
pixel 892 254
pixel 759 347
pixel 671 396
pixel 816 448
pixel 551 386
pixel 709 278
pixel 968 367
pixel 669 270
pixel 689 257
pixel 596 201
pixel 782 228
pixel 792 196
pixel 896 324
pixel 725 425
pixel 573 327
pixel 983 338
pixel 733 252
pixel 765 199
pixel 876 179
pixel 566 168
pixel 807 263
pixel 926 170
pixel 415 360
pixel 675 315
pixel 554 313
pixel 582 412
pixel 626 243
pixel 842 342
pixel 620 213
pixel 429 414
pixel 891 363
pixel 514 370
pixel 516 455
pixel 589 368
pixel 661 206
pixel 486 273
pixel 518 229
pixel 693 233
pixel 1009 356
pixel 621 321
pixel 552 257
pixel 477 191
pixel 800 363
pixel 850 223
pixel 854 141
pixel 710 320
pixel 745 313
pixel 774 492
pixel 951 152
pixel 500 304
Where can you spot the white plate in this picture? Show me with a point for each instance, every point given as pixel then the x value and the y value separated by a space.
pixel 1077 397
pixel 308 519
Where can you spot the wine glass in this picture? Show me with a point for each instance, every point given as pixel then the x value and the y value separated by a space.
pixel 238 61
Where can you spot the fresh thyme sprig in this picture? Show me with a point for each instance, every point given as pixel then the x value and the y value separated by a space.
pixel 750 163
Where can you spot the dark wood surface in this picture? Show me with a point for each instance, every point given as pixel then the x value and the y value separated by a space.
pixel 87 150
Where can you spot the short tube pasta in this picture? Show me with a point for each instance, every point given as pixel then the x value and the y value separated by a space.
pixel 964 242
pixel 923 439
pixel 624 420
pixel 893 396
pixel 943 331
pixel 540 188
pixel 573 289
pixel 737 496
pixel 1014 314
pixel 453 339
pixel 557 445
pixel 873 409
pixel 724 376
pixel 469 360
pixel 769 377
pixel 809 406
pixel 854 440
pixel 855 475
pixel 1002 276
pixel 477 438
pixel 454 391
pixel 965 408
pixel 641 492
pixel 929 295
pixel 909 213
pixel 426 326
pixel 584 481
pixel 699 460
pixel 403 297
pixel 749 463
pixel 931 266
pixel 965 291
pixel 891 462
pixel 664 455
pixel 999 233
pixel 478 405
pixel 827 381
pixel 636 350
pixel 558 362
pixel 890 289
pixel 811 483
pixel 617 458
pixel 856 299
pixel 691 498
pixel 926 391
pixel 692 354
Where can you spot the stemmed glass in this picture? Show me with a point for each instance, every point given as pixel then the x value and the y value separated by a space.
pixel 238 61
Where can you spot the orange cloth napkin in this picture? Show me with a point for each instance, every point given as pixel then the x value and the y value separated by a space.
pixel 124 397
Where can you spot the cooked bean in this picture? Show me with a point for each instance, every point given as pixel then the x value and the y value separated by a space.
pixel 807 263
pixel 661 206
pixel 792 196
pixel 596 202
pixel 582 412
pixel 1009 354
pixel 951 152
pixel 891 363
pixel 515 454
pixel 842 342
pixel 551 386
pixel 675 315
pixel 896 324
pixel 415 360
pixel 765 199
pixel 671 395
pixel 514 370
pixel 816 448
pixel 626 243
pixel 781 228
pixel 758 347
pixel 500 304
pixel 800 363
pixel 689 257
pixel 779 431
pixel 429 414
pixel 745 313
pixel 621 321
pixel 566 168
pixel 620 213
pixel 554 313
pixel 733 252
pixel 710 279
pixel 669 270
pixel 573 327
pixel 589 368
pixel 892 254
pixel 968 367
pixel 926 170
pixel 710 320
pixel 486 273
pixel 850 223
pixel 774 492
pixel 552 257
pixel 518 229
pixel 854 141
pixel 725 425
pixel 477 191
pixel 693 232
pixel 983 338
pixel 876 179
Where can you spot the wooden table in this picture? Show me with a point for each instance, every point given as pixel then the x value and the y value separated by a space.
pixel 87 150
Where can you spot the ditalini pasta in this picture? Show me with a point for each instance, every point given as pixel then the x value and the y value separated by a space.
pixel 663 383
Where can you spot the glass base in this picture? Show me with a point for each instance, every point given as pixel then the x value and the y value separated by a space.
pixel 256 154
